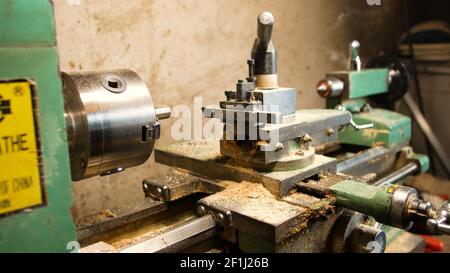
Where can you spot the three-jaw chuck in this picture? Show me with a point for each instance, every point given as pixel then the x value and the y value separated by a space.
pixel 111 121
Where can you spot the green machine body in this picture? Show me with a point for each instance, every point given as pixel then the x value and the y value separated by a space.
pixel 38 220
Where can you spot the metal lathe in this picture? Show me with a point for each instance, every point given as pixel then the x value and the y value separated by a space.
pixel 279 180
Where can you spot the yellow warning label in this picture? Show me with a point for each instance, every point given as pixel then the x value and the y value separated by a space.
pixel 392 188
pixel 20 177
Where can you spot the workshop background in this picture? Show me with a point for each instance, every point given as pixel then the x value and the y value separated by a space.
pixel 184 49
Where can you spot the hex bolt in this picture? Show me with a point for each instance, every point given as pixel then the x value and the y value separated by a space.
pixel 249 96
pixel 241 92
pixel 229 94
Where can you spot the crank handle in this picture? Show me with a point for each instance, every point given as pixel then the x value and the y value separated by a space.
pixel 360 127
pixel 357 127
pixel 441 222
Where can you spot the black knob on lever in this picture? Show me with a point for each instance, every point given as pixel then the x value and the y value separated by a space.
pixel 264 53
pixel 265 27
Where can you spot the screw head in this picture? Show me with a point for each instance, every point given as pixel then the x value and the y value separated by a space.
pixel 279 146
pixel 201 210
pixel 220 218
pixel 330 131
pixel 114 84
pixel 307 138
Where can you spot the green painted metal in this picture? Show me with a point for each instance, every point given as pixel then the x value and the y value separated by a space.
pixel 28 50
pixel 364 83
pixel 368 82
pixel 390 129
pixel 25 22
pixel 363 198
pixel 354 105
pixel 423 160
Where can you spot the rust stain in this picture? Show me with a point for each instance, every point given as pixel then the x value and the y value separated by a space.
pixel 122 20
pixel 167 33
pixel 100 60
pixel 72 64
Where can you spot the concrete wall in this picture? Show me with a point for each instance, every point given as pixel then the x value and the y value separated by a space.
pixel 199 48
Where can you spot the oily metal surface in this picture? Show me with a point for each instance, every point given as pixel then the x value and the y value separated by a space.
pixel 204 159
pixel 253 209
pixel 377 161
pixel 177 238
pixel 145 227
pixel 106 220
pixel 310 122
pixel 177 184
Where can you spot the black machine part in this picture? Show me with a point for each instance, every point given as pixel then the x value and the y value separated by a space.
pixel 263 51
pixel 399 79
